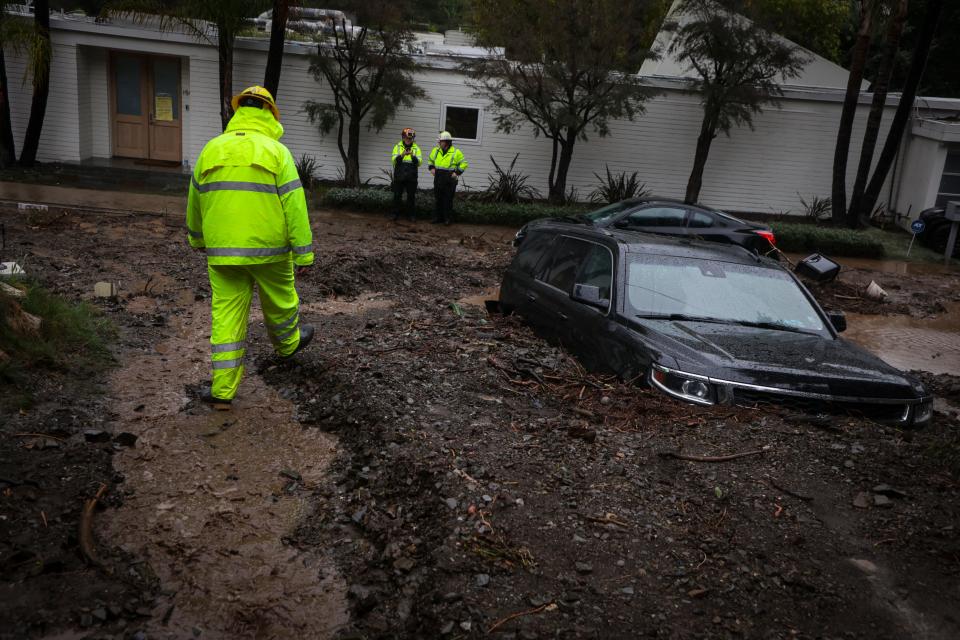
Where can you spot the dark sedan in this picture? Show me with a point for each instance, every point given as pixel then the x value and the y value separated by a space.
pixel 701 322
pixel 673 218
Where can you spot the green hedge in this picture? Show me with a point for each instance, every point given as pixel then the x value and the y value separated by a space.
pixel 465 209
pixel 799 238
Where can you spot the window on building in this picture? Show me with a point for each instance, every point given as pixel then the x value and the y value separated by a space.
pixel 462 122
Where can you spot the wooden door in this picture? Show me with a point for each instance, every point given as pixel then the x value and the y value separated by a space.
pixel 145 107
pixel 165 130
pixel 128 105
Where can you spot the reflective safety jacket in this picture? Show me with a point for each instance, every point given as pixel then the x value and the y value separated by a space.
pixel 246 204
pixel 405 167
pixel 452 160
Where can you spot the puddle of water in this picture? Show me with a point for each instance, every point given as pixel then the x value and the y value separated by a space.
pixel 207 501
pixel 928 344
pixel 478 300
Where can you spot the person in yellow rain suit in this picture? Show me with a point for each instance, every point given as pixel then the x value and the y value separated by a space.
pixel 446 164
pixel 247 210
pixel 406 160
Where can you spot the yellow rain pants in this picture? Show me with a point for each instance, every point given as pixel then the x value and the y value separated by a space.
pixel 232 287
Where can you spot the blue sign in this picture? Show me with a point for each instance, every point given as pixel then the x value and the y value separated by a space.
pixel 917 226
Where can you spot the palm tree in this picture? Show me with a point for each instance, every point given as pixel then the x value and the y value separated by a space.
pixel 857 64
pixel 40 53
pixel 921 51
pixel 856 214
pixel 229 17
pixel 12 32
pixel 278 31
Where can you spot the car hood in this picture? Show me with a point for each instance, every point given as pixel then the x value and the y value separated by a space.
pixel 779 359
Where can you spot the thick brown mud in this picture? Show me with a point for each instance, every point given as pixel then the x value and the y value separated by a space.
pixel 210 497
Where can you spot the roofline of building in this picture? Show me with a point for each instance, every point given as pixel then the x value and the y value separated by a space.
pixel 451 61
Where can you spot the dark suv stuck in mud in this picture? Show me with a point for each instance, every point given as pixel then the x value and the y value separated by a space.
pixel 701 322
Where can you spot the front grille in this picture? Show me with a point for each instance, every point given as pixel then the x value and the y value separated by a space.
pixel 813 406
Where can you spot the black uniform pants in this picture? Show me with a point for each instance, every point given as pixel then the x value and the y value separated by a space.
pixel 410 188
pixel 444 186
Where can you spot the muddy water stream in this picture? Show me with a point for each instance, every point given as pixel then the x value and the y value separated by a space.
pixel 928 344
pixel 211 495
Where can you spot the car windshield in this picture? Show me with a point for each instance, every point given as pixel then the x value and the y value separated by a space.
pixel 707 290
pixel 611 210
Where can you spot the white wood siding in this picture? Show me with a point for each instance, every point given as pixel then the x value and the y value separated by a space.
pixel 60 135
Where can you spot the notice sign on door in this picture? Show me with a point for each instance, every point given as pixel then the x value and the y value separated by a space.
pixel 163 107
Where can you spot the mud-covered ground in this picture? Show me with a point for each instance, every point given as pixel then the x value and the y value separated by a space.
pixel 483 484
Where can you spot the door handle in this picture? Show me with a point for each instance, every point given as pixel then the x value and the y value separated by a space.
pixel 562 315
pixel 531 297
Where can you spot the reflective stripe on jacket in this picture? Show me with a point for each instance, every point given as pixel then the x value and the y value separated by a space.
pixel 246 204
pixel 405 167
pixel 452 160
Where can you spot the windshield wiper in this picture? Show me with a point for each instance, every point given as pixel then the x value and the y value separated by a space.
pixel 776 326
pixel 741 323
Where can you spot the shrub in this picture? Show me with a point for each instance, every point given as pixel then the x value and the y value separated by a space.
pixel 507 186
pixel 617 187
pixel 818 209
pixel 465 210
pixel 801 238
pixel 307 167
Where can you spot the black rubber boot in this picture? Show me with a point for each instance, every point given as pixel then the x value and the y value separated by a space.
pixel 220 404
pixel 306 335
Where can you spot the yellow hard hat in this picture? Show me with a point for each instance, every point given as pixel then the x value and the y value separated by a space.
pixel 261 94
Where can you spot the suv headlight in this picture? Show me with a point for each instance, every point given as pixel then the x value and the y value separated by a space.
pixel 922 412
pixel 683 386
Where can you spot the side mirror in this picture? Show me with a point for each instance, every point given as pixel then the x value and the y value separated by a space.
pixel 622 223
pixel 838 320
pixel 590 295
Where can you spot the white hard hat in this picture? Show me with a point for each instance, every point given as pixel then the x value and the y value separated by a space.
pixel 445 135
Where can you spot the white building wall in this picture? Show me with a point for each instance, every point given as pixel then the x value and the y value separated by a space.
pixel 60 135
pixel 788 155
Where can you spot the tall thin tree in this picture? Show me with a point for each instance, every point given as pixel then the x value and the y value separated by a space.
pixel 858 61
pixel 856 215
pixel 570 68
pixel 278 32
pixel 41 53
pixel 369 72
pixel 921 52
pixel 738 63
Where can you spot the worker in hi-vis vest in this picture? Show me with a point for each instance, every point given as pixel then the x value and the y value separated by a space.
pixel 406 160
pixel 446 163
pixel 247 210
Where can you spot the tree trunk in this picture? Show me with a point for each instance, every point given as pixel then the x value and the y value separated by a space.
pixel 856 215
pixel 41 85
pixel 278 28
pixel 8 156
pixel 920 53
pixel 553 167
pixel 225 40
pixel 558 191
pixel 352 170
pixel 857 64
pixel 708 131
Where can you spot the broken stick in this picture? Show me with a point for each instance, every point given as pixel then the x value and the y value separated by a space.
pixel 85 534
pixel 732 456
